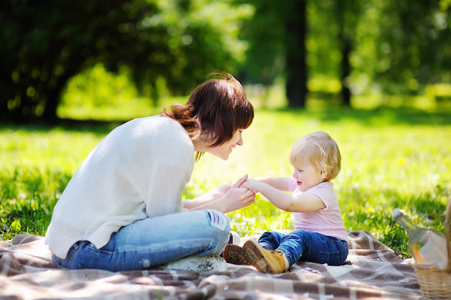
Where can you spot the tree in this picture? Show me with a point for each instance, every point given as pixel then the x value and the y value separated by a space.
pixel 333 40
pixel 45 43
pixel 403 45
pixel 414 47
pixel 48 42
pixel 392 47
pixel 265 60
pixel 347 14
pixel 296 52
pixel 276 36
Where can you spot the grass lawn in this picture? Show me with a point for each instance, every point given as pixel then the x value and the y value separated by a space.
pixel 391 158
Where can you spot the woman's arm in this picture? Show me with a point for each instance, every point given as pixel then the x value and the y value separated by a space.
pixel 208 197
pixel 225 198
pixel 294 202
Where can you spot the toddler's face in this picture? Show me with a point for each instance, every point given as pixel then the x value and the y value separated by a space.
pixel 307 176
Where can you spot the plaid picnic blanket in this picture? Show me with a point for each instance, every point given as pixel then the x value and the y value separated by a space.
pixel 373 271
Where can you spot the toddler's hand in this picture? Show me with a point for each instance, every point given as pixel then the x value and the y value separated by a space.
pixel 238 196
pixel 251 184
pixel 240 182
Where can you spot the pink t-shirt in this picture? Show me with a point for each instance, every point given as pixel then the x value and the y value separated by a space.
pixel 326 221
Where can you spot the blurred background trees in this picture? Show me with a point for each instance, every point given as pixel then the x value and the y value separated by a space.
pixel 329 49
pixel 46 43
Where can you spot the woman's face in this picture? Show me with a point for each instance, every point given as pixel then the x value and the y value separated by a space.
pixel 223 151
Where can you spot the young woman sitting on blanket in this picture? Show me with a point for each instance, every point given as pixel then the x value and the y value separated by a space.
pixel 123 209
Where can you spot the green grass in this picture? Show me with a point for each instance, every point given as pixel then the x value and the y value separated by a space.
pixel 391 158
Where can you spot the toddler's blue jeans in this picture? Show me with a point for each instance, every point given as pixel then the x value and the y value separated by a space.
pixel 306 246
pixel 153 241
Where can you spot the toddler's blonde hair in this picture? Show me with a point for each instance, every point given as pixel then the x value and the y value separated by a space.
pixel 322 152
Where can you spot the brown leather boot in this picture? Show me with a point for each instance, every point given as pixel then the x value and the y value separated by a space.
pixel 266 261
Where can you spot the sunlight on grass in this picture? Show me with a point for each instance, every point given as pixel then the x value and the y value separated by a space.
pixel 390 159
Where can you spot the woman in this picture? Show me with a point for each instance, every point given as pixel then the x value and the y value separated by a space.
pixel 122 209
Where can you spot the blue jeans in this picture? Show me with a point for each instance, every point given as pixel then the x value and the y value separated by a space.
pixel 153 241
pixel 306 246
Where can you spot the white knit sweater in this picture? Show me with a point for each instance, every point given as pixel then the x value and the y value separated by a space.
pixel 137 171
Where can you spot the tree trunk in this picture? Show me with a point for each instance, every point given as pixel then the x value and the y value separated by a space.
pixel 345 71
pixel 53 99
pixel 296 64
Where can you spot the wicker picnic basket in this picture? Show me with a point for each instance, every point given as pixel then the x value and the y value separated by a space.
pixel 435 283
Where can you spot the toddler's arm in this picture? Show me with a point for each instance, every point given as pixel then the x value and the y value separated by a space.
pixel 280 183
pixel 294 202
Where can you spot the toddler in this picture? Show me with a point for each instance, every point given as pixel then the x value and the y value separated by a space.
pixel 319 234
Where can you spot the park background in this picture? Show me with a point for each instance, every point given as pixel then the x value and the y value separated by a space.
pixel 374 74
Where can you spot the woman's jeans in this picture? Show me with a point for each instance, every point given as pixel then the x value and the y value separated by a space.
pixel 306 246
pixel 153 241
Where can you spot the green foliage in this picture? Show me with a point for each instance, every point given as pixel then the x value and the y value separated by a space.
pixel 102 87
pixel 391 158
pixel 98 94
pixel 402 46
pixel 365 47
pixel 260 66
pixel 48 43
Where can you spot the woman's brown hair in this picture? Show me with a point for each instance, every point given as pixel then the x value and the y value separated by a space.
pixel 216 109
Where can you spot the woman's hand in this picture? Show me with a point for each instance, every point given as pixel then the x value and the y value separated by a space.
pixel 237 196
pixel 221 190
pixel 225 198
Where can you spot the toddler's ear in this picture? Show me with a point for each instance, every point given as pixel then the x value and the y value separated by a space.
pixel 324 175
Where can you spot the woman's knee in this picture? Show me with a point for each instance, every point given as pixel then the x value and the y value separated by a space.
pixel 218 220
pixel 220 232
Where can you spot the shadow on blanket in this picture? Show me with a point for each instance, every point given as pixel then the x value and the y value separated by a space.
pixel 372 271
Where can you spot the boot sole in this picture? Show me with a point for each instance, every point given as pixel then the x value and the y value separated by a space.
pixel 255 257
pixel 234 254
